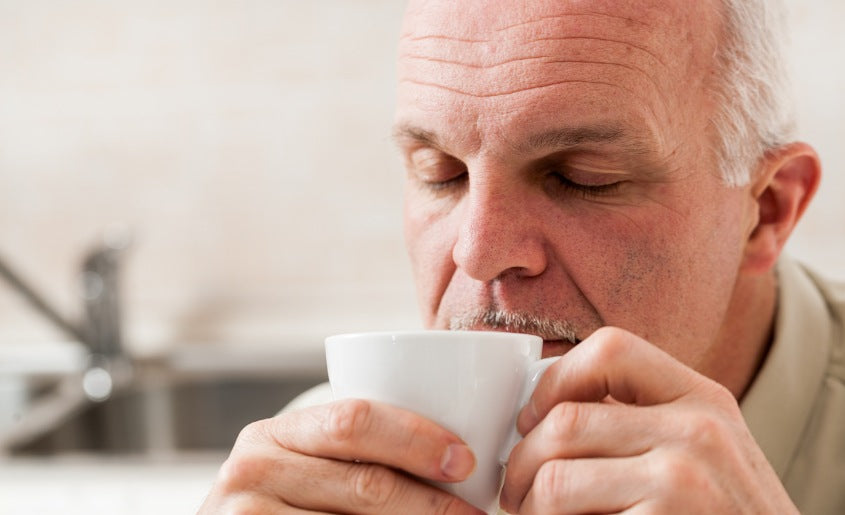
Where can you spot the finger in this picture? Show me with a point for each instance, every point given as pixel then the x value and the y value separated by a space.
pixel 601 485
pixel 584 430
pixel 273 476
pixel 365 488
pixel 610 362
pixel 252 503
pixel 373 432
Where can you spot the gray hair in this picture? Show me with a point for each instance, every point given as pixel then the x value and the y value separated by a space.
pixel 751 88
pixel 491 318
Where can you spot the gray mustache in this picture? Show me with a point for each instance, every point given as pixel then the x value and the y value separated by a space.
pixel 546 328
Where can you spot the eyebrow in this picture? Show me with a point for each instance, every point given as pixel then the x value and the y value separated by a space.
pixel 572 136
pixel 569 137
pixel 557 139
pixel 404 132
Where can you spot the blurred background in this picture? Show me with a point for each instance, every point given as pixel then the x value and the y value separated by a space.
pixel 220 175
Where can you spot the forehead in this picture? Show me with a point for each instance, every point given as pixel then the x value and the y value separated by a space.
pixel 521 63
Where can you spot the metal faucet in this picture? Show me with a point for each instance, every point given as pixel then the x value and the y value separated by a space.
pixel 101 291
pixel 100 330
pixel 109 367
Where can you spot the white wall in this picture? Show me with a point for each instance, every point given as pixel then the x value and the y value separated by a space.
pixel 817 60
pixel 247 145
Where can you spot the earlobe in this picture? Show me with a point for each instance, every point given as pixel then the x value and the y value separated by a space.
pixel 781 192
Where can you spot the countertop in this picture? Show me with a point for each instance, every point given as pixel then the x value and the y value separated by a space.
pixel 85 484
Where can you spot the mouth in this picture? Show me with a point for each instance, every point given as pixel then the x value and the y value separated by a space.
pixel 557 347
pixel 559 336
pixel 552 346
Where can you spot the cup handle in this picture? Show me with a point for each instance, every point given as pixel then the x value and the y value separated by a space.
pixel 532 377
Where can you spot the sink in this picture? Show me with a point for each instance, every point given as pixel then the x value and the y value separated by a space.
pixel 195 415
pixel 166 408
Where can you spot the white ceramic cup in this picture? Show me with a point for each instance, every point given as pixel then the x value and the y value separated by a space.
pixel 472 383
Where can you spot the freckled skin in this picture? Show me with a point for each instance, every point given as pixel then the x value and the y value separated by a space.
pixel 659 257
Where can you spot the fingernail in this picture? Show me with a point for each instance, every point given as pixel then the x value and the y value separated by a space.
pixel 458 461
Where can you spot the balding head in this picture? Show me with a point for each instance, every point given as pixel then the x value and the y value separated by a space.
pixel 727 50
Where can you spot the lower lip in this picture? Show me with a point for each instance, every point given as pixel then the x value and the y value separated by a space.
pixel 556 348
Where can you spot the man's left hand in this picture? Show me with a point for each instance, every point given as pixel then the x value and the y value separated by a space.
pixel 619 426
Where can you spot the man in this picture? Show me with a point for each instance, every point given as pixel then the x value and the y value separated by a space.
pixel 616 177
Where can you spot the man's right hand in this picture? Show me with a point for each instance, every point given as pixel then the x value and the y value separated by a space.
pixel 350 456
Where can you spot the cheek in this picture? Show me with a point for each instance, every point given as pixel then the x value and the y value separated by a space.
pixel 429 239
pixel 618 263
pixel 663 275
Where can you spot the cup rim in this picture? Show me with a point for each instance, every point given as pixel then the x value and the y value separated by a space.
pixel 458 334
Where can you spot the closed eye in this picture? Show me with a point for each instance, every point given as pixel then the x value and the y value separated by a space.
pixel 435 170
pixel 562 184
pixel 442 185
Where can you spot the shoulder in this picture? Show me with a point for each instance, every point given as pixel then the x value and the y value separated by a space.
pixel 833 293
pixel 814 477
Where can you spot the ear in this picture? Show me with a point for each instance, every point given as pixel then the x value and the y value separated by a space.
pixel 785 182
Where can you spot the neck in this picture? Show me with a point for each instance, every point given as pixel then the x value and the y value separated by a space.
pixel 746 334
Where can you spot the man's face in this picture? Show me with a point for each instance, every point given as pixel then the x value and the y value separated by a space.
pixel 561 173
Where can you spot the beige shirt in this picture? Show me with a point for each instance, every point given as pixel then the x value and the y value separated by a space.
pixel 795 407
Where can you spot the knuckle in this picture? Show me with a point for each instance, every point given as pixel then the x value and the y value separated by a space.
pixel 550 483
pixel 244 505
pixel 347 418
pixel 567 420
pixel 242 472
pixel 372 486
pixel 445 505
pixel 723 398
pixel 680 474
pixel 252 432
pixel 611 343
pixel 415 431
pixel 707 432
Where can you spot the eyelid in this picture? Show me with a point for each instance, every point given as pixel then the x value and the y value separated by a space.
pixel 589 178
pixel 586 167
pixel 567 181
pixel 436 170
pixel 424 157
pixel 587 191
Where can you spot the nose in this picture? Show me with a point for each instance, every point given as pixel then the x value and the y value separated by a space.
pixel 499 233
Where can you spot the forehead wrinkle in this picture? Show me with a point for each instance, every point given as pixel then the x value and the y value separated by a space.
pixel 447 61
pixel 515 90
pixel 538 44
pixel 456 53
pixel 633 146
pixel 641 48
pixel 408 36
pixel 627 66
pixel 552 17
pixel 543 58
pixel 555 32
pixel 484 56
pixel 484 39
